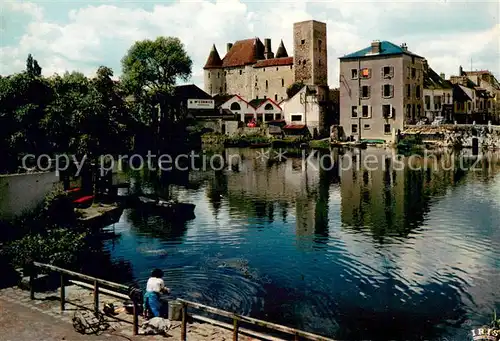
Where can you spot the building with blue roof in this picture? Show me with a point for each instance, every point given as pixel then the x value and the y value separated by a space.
pixel 381 91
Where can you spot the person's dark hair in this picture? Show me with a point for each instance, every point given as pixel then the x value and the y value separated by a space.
pixel 157 273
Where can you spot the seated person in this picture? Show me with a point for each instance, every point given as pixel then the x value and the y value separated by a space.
pixel 154 288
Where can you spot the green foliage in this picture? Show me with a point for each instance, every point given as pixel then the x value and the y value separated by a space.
pixel 294 88
pixel 150 70
pixel 58 209
pixel 62 114
pixel 319 144
pixel 59 247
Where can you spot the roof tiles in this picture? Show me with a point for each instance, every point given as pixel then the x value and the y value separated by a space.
pixel 244 52
pixel 274 62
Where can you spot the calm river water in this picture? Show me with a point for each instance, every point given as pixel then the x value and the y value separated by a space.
pixel 374 251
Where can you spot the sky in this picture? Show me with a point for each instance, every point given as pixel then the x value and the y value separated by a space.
pixel 76 35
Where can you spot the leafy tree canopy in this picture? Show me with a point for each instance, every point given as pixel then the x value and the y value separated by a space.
pixel 151 67
pixel 294 88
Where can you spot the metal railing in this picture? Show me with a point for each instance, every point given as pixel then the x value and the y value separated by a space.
pixel 237 319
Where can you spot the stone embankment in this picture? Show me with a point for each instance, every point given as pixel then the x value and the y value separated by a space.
pixel 487 136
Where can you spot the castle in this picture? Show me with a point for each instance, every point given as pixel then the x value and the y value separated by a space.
pixel 251 70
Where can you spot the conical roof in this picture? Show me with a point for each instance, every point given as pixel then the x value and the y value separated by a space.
pixel 213 60
pixel 281 52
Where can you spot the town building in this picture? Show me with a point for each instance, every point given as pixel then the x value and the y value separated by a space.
pixel 252 70
pixel 260 110
pixel 438 96
pixel 381 90
pixel 477 97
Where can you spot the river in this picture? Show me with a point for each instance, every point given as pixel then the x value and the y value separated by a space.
pixel 350 244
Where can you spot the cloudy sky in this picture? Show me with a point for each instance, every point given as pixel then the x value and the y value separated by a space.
pixel 81 35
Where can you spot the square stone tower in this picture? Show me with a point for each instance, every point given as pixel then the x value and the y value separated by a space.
pixel 310 56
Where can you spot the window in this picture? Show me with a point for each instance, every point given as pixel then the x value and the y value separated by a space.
pixel 240 72
pixel 267 84
pixel 448 98
pixel 282 82
pixel 265 96
pixel 366 73
pixel 489 103
pixel 413 59
pixel 210 88
pixel 268 117
pixel 413 72
pixel 209 75
pixel 365 111
pixel 417 91
pixel 304 62
pixel 408 90
pixel 235 106
pixel 387 128
pixel 366 127
pixel 220 89
pixel 291 66
pixel 275 97
pixel 437 102
pixel 225 87
pixel 278 116
pixel 354 111
pixel 407 72
pixel 277 68
pixel 386 111
pixel 319 45
pixel 387 71
pixel 319 62
pixel 225 73
pixel 218 74
pixel 263 69
pixel 296 118
pixel 303 41
pixel 354 128
pixel 427 101
pixel 365 91
pixel 468 106
pixel 269 106
pixel 387 90
pixel 354 73
pixel 419 110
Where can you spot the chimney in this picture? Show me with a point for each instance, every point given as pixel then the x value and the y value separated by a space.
pixel 426 65
pixel 268 52
pixel 376 46
pixel 442 75
pixel 229 45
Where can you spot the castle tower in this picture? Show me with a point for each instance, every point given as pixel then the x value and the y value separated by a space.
pixel 281 52
pixel 213 73
pixel 310 56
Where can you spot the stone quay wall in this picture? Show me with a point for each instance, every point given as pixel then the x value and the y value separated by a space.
pixel 487 136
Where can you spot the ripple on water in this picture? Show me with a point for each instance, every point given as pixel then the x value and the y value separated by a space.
pixel 223 288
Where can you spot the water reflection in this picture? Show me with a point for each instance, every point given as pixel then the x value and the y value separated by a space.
pixel 351 244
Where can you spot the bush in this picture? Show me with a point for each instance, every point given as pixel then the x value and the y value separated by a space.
pixel 58 208
pixel 60 247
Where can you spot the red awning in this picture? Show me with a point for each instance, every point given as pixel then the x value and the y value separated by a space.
pixel 294 126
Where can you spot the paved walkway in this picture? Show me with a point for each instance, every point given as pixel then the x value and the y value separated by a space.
pixel 22 319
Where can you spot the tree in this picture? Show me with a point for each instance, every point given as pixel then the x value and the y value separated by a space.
pixel 294 88
pixel 32 67
pixel 150 70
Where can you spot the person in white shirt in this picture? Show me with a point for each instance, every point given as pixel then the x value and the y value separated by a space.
pixel 154 288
